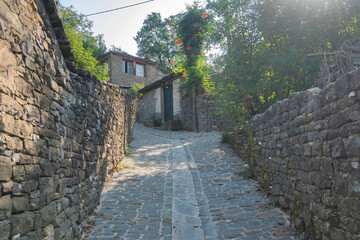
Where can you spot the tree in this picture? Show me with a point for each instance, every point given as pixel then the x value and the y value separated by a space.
pixel 237 35
pixel 154 39
pixel 191 35
pixel 264 45
pixel 114 48
pixel 85 46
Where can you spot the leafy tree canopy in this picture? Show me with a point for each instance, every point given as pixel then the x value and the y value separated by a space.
pixel 86 47
pixel 191 30
pixel 264 45
pixel 154 39
pixel 114 48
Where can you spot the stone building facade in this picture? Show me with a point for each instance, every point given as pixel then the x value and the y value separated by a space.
pixel 125 70
pixel 153 110
pixel 62 131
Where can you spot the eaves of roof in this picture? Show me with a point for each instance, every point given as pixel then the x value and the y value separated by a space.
pixel 169 78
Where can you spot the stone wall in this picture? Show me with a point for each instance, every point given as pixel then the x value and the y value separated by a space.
pixel 177 98
pixel 149 111
pixel 61 133
pixel 209 118
pixel 130 118
pixel 305 150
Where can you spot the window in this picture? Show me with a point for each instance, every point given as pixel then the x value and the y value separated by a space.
pixel 140 70
pixel 127 67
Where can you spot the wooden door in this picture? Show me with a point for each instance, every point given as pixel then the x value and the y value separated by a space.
pixel 168 102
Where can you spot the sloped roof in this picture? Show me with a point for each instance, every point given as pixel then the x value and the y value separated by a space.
pixel 126 55
pixel 123 54
pixel 169 78
pixel 58 28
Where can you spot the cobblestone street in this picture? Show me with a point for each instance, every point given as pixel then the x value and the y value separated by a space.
pixel 183 185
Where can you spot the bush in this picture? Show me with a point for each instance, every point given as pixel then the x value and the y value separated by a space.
pixel 134 90
pixel 226 138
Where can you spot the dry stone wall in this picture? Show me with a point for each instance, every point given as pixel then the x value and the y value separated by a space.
pixel 209 118
pixel 305 150
pixel 61 133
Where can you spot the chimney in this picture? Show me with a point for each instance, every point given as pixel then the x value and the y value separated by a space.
pixel 147 55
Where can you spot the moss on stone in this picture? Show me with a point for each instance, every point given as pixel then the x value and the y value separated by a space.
pixel 288 163
pixel 250 154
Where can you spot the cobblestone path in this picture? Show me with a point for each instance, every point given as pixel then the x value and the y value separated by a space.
pixel 185 185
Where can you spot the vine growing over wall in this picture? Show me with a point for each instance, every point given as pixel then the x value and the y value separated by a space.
pixel 190 36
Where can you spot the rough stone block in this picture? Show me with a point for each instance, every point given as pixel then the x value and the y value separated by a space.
pixel 7 187
pixel 64 228
pixel 19 173
pixel 49 232
pixel 19 204
pixel 47 120
pixel 10 105
pixel 4 230
pixel 5 207
pixel 36 203
pixel 46 185
pixel 5 168
pixel 339 120
pixel 13 143
pixel 38 234
pixel 16 127
pixel 27 159
pixel 48 169
pixel 341 184
pixel 17 188
pixel 31 147
pixel 22 223
pixel 37 221
pixel 316 149
pixel 312 105
pixel 337 148
pixel 328 198
pixel 33 172
pixel 341 86
pixel 48 214
pixel 352 146
pixel 32 114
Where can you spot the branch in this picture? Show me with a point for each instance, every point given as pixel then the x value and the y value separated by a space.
pixel 320 54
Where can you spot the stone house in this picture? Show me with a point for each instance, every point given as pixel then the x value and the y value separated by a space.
pixel 164 103
pixel 125 70
pixel 160 101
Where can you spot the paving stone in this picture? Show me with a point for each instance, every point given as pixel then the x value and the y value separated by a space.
pixel 184 186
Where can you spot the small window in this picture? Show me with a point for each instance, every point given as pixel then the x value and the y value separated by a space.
pixel 127 67
pixel 140 70
pixel 123 66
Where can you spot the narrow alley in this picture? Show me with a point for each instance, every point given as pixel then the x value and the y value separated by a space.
pixel 183 185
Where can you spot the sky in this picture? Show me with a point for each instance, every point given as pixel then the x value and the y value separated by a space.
pixel 120 27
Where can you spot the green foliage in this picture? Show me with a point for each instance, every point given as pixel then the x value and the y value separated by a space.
pixel 192 27
pixel 247 173
pixel 264 45
pixel 154 39
pixel 84 58
pixel 114 48
pixel 134 90
pixel 226 138
pixel 85 46
pixel 128 152
pixel 121 166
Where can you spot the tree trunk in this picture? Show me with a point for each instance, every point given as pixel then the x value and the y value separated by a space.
pixel 195 118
